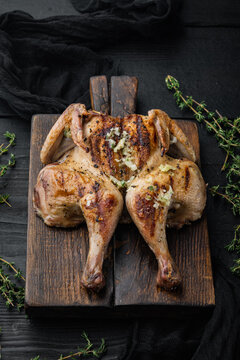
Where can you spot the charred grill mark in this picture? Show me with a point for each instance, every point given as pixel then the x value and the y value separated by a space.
pixel 143 134
pixel 36 198
pixel 62 177
pixel 81 191
pixel 171 180
pixel 187 177
pixel 95 148
pixel 155 138
pixel 146 212
pixel 156 185
pixel 44 183
pixel 153 221
pixel 95 140
pixel 143 141
pixel 103 206
pixel 96 186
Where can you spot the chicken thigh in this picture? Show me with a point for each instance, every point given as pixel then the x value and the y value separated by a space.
pixel 95 160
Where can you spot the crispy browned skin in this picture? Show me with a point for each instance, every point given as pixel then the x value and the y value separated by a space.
pixel 73 190
pixel 131 154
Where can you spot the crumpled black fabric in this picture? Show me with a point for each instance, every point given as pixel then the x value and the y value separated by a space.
pixel 46 64
pixel 127 9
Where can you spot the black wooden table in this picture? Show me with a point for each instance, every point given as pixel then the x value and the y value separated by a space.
pixel 205 57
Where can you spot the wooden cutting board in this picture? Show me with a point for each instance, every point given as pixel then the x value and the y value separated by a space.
pixel 56 257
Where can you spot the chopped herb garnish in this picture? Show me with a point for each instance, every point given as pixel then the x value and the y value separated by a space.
pixel 67 133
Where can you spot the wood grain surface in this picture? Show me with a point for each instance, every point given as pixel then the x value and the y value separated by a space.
pixel 99 93
pixel 123 95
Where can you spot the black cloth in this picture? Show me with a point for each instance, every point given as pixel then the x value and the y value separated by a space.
pixel 135 10
pixel 44 66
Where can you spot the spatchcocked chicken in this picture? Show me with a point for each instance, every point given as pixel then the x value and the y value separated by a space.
pixel 95 162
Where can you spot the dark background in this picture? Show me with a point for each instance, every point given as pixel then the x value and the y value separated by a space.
pixel 204 55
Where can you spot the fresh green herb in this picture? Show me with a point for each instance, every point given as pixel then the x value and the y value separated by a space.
pixel 4 198
pixel 123 183
pixel 148 197
pixel 227 132
pixel 152 188
pixel 12 293
pixel 11 138
pixel 11 162
pixel 86 351
pixel 67 133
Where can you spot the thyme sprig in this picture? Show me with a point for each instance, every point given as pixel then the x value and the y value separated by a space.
pixel 11 162
pixel 227 132
pixel 11 138
pixel 86 351
pixel 12 293
pixel 4 198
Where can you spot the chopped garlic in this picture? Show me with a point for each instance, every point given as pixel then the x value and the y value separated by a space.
pixel 156 205
pixel 166 167
pixel 165 198
pixel 148 197
pixel 112 143
pixel 89 202
pixel 130 180
pixel 173 139
pixel 120 145
pixel 123 145
pixel 112 132
pixel 117 131
pixel 119 183
pixel 130 164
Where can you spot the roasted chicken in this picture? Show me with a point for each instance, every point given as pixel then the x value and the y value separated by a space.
pixel 96 161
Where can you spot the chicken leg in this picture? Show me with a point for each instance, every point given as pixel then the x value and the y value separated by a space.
pixel 73 190
pixel 150 217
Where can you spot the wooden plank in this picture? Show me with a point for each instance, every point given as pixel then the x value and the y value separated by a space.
pixel 135 267
pixel 123 95
pixel 53 278
pixel 99 94
pixel 56 257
